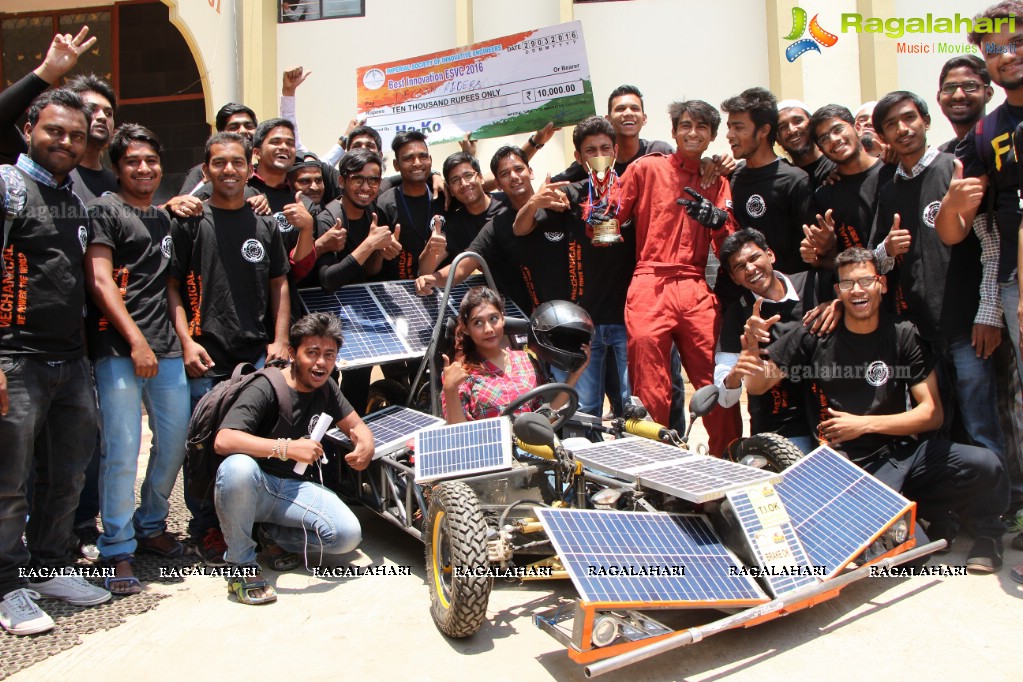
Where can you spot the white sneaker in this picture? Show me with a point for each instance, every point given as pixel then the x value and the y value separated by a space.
pixel 19 614
pixel 74 589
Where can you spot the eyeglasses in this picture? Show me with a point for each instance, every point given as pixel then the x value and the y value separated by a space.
pixel 864 282
pixel 967 86
pixel 463 179
pixel 360 180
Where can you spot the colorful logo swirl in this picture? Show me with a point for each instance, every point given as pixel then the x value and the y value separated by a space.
pixel 817 36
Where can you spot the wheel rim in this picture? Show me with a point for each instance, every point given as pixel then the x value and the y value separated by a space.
pixel 441 558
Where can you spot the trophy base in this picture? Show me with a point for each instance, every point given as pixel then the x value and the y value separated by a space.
pixel 606 233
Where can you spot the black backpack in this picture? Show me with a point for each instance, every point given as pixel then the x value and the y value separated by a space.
pixel 201 458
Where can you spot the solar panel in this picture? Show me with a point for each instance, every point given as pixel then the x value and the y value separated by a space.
pixel 391 427
pixel 702 479
pixel 370 336
pixel 387 321
pixel 623 455
pixel 771 538
pixel 664 467
pixel 639 557
pixel 461 449
pixel 459 291
pixel 836 508
pixel 413 315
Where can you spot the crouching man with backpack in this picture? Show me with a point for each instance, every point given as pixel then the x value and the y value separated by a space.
pixel 258 483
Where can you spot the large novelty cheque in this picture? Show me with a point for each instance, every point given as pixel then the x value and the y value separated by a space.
pixel 509 85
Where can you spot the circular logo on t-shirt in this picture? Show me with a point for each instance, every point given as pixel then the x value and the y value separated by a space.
pixel 755 206
pixel 312 423
pixel 554 236
pixel 282 222
pixel 878 373
pixel 165 246
pixel 373 79
pixel 253 251
pixel 930 213
pixel 83 237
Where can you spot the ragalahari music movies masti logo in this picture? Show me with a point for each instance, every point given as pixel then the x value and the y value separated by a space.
pixel 817 35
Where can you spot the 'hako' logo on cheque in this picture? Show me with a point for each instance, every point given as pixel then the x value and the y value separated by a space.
pixel 817 35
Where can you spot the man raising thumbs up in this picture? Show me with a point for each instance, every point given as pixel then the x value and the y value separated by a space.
pixel 936 286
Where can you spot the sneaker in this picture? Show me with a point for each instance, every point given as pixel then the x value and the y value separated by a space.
pixel 74 589
pixel 19 614
pixel 985 556
pixel 212 548
pixel 1017 573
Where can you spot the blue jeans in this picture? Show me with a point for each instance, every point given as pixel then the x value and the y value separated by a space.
pixel 942 477
pixel 302 514
pixel 1010 308
pixel 121 395
pixel 203 517
pixel 1010 305
pixel 607 338
pixel 967 385
pixel 51 426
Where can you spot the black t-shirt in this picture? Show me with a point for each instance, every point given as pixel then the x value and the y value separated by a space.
pixel 819 170
pixel 279 197
pixel 141 245
pixel 256 412
pixel 781 410
pixel 776 199
pixel 529 269
pixel 224 260
pixel 998 162
pixel 949 147
pixel 936 286
pixel 853 201
pixel 598 276
pixel 462 227
pixel 415 215
pixel 335 270
pixel 862 374
pixel 576 173
pixel 90 184
pixel 42 296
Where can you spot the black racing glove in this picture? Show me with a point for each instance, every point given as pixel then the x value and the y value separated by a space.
pixel 702 211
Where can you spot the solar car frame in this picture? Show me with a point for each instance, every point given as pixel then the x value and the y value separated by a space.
pixel 499 508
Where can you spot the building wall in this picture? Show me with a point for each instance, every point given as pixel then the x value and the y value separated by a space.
pixel 707 49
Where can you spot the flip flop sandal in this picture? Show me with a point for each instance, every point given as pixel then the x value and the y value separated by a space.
pixel 149 546
pixel 132 581
pixel 134 585
pixel 243 588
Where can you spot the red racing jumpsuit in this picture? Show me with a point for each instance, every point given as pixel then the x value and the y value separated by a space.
pixel 669 299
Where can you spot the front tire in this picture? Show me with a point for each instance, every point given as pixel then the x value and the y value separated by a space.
pixel 456 560
pixel 779 452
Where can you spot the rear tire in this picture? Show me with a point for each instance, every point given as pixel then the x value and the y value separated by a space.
pixel 779 452
pixel 456 540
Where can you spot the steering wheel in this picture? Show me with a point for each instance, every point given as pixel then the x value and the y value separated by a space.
pixel 551 392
